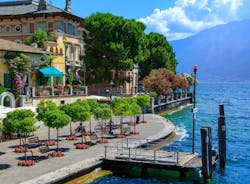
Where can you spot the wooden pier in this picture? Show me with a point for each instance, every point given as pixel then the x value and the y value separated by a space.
pixel 145 158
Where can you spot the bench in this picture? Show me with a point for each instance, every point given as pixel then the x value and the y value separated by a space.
pixel 126 131
pixel 43 151
pixel 90 140
pixel 33 142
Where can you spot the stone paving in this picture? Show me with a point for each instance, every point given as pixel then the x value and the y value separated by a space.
pixel 53 169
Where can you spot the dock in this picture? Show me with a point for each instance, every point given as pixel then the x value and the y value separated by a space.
pixel 143 157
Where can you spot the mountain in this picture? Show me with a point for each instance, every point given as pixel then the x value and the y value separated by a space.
pixel 222 53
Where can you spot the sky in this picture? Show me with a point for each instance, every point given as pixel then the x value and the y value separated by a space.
pixel 176 19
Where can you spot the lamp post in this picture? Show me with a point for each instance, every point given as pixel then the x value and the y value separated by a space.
pixel 111 84
pixel 194 110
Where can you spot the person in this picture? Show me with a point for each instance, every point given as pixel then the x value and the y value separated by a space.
pixel 81 129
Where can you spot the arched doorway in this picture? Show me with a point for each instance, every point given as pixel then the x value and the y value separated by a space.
pixel 7 99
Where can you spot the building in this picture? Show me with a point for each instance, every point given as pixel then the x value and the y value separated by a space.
pixel 20 19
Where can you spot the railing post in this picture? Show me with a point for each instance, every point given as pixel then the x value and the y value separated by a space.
pixel 52 91
pixel 105 153
pixel 155 155
pixel 222 137
pixel 127 142
pixel 177 157
pixel 129 153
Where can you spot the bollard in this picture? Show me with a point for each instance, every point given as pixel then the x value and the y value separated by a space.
pixel 105 153
pixel 129 153
pixel 177 157
pixel 155 155
pixel 221 109
pixel 206 150
pixel 127 142
pixel 222 141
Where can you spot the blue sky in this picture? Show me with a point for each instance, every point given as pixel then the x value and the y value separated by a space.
pixel 176 19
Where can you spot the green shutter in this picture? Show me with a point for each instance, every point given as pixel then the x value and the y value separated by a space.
pixel 7 81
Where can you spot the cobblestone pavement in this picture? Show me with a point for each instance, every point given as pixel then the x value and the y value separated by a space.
pixel 52 169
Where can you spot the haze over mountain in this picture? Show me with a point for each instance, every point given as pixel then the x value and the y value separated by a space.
pixel 222 53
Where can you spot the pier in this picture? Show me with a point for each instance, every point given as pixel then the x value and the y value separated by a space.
pixel 145 156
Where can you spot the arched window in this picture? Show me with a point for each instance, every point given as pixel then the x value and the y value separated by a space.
pixel 51 49
pixel 61 51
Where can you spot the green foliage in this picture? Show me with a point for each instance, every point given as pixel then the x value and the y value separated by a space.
pixel 103 112
pixel 2 90
pixel 45 107
pixel 38 37
pixel 153 94
pixel 93 104
pixel 135 109
pixel 71 78
pixel 1 126
pixel 143 100
pixel 78 111
pixel 112 43
pixel 27 125
pixel 121 107
pixel 57 119
pixel 13 120
pixel 161 55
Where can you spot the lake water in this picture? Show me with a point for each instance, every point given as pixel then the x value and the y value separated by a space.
pixel 236 100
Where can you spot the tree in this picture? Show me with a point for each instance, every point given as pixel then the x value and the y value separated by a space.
pixel 57 119
pixel 27 125
pixel 78 111
pixel 39 37
pixel 161 55
pixel 42 109
pixel 159 81
pixel 143 101
pixel 13 122
pixel 112 43
pixel 93 104
pixel 103 112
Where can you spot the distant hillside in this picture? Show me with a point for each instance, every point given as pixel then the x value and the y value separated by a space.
pixel 221 53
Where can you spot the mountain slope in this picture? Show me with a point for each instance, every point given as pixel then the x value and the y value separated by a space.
pixel 221 53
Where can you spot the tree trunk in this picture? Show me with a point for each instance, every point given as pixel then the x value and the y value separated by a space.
pixel 70 129
pixel 81 133
pixel 57 144
pixel 90 126
pixel 48 133
pixel 25 154
pixel 20 138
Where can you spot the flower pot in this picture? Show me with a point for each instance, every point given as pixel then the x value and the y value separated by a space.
pixel 57 154
pixel 82 146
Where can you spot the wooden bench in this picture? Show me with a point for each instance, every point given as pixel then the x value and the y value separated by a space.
pixel 33 142
pixel 43 151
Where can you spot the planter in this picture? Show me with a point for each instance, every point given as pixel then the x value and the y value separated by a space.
pixel 143 121
pixel 71 138
pixel 103 141
pixel 57 154
pixel 49 143
pixel 132 124
pixel 119 136
pixel 82 146
pixel 21 149
pixel 134 132
pixel 26 163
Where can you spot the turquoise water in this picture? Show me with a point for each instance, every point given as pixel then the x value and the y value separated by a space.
pixel 236 100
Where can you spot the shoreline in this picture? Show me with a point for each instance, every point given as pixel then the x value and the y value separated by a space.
pixel 55 170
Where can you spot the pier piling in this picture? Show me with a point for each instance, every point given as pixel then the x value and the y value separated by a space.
pixel 206 150
pixel 222 137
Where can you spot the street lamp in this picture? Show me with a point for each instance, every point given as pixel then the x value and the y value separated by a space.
pixel 111 85
pixel 194 110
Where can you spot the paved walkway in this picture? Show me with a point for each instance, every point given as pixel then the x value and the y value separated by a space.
pixel 54 169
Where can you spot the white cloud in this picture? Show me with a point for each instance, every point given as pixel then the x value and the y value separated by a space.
pixel 189 17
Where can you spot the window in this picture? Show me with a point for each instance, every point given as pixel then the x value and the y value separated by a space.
pixel 32 27
pixel 50 26
pixel 41 25
pixel 69 28
pixel 62 102
pixel 65 27
pixel 76 31
pixel 6 80
pixel 60 25
pixel 73 30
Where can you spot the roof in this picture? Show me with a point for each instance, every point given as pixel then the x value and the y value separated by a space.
pixel 51 72
pixel 6 45
pixel 30 8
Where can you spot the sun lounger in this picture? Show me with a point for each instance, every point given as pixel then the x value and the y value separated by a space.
pixel 33 142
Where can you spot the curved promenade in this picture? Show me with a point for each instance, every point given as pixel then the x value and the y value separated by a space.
pixel 55 169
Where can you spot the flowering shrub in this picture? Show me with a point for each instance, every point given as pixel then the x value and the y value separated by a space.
pixel 58 86
pixel 26 163
pixel 67 86
pixel 82 146
pixel 57 154
pixel 71 138
pixel 49 143
pixel 103 141
pixel 21 149
pixel 119 136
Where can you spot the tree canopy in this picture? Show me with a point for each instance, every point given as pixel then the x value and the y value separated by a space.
pixel 112 43
pixel 161 55
pixel 57 119
pixel 45 107
pixel 39 37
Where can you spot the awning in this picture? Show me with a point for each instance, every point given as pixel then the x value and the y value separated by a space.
pixel 51 72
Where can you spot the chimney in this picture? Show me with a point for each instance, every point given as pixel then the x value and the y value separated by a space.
pixel 42 5
pixel 68 6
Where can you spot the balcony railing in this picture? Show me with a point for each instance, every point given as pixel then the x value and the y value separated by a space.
pixel 47 91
